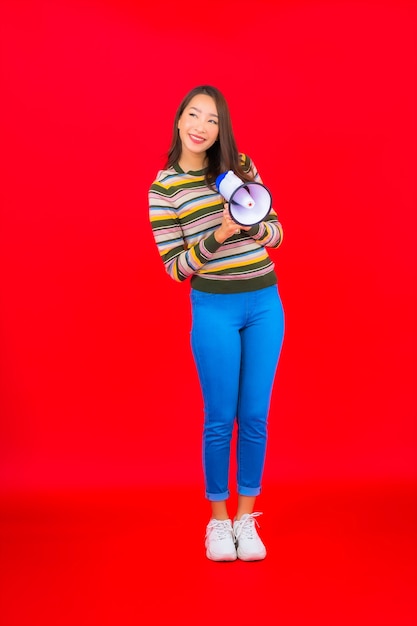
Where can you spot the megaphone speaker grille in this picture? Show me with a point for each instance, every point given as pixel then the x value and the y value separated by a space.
pixel 255 207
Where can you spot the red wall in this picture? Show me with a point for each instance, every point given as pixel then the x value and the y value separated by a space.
pixel 98 386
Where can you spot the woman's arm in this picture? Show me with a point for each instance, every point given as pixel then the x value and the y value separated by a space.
pixel 179 260
pixel 269 232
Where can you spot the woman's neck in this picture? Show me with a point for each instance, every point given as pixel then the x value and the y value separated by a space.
pixel 192 163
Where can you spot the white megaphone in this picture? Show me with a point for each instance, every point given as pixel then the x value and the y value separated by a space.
pixel 249 203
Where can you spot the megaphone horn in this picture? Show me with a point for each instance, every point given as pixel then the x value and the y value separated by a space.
pixel 249 202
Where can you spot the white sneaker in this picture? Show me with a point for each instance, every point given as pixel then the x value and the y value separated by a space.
pixel 248 543
pixel 220 543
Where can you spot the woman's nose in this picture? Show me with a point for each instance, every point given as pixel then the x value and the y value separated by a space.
pixel 199 125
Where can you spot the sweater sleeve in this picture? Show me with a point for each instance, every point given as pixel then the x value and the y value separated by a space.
pixel 180 260
pixel 269 232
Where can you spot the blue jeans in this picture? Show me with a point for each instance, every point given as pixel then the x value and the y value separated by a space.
pixel 236 341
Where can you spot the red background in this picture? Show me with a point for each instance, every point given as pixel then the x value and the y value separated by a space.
pixel 102 513
pixel 98 387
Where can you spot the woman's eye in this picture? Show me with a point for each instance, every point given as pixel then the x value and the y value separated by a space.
pixel 213 122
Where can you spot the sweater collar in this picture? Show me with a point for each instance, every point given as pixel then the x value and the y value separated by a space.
pixel 179 170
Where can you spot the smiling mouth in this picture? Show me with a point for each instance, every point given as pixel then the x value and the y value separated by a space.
pixel 196 139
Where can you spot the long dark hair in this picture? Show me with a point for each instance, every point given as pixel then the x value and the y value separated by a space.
pixel 223 155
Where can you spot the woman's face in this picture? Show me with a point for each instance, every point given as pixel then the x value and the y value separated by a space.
pixel 198 125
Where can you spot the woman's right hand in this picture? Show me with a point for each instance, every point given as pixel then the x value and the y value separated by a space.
pixel 228 227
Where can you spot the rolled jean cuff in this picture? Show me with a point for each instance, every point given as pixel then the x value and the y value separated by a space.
pixel 218 497
pixel 249 491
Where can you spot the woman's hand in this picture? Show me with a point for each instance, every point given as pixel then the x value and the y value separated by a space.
pixel 228 227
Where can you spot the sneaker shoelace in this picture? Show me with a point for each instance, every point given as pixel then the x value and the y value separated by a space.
pixel 220 527
pixel 246 527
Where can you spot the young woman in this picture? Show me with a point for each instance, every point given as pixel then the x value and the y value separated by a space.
pixel 237 316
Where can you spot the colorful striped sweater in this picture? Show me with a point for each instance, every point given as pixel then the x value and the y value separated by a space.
pixel 184 213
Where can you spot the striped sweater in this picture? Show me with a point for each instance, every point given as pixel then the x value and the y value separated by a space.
pixel 184 213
